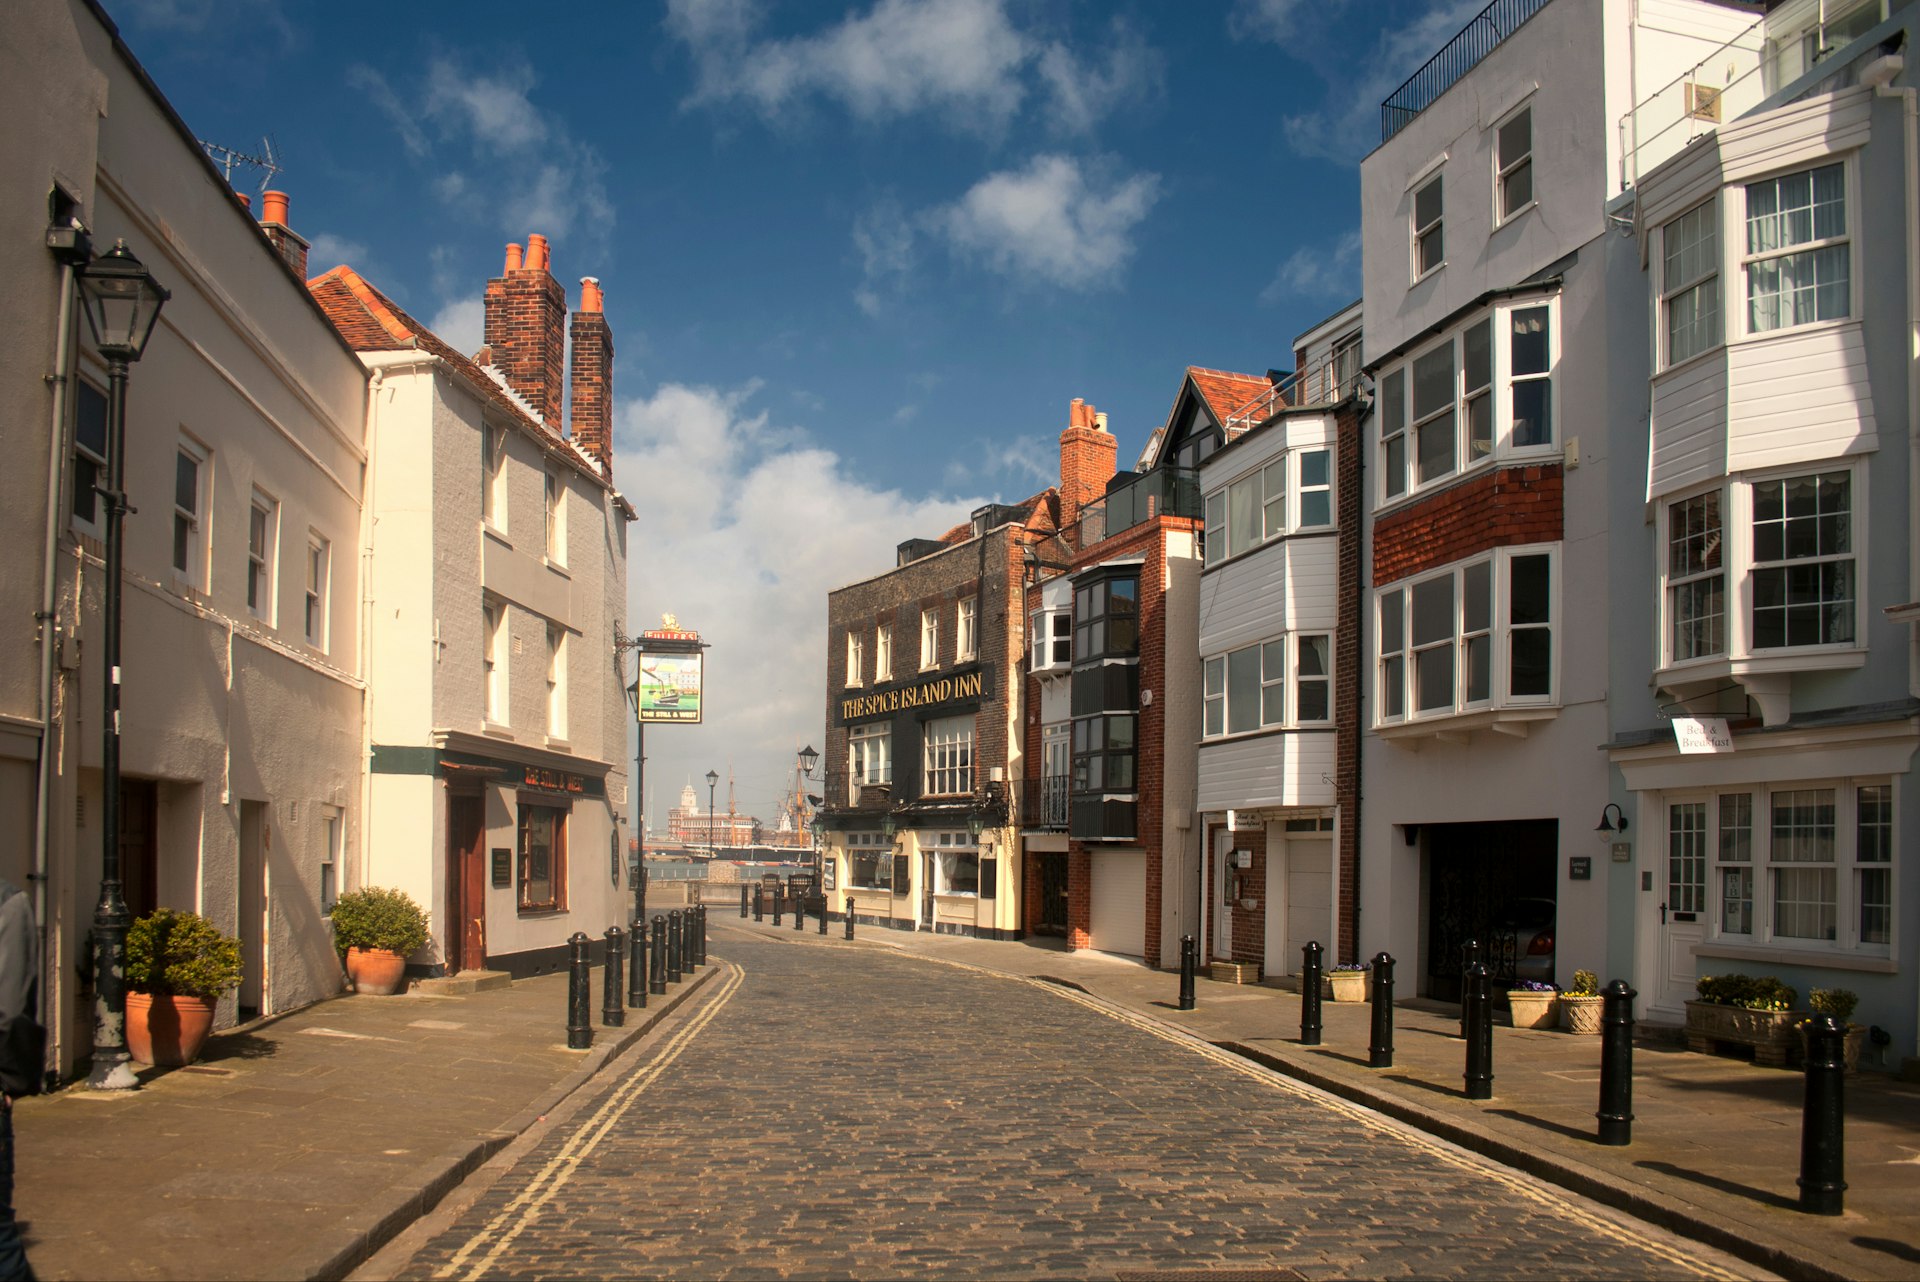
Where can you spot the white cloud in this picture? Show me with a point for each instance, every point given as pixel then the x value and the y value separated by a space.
pixel 884 237
pixel 497 150
pixel 742 532
pixel 1053 221
pixel 326 251
pixel 1274 20
pixel 963 60
pixel 462 323
pixel 1347 125
pixel 1319 272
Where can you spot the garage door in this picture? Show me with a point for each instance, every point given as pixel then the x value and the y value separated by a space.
pixel 1303 911
pixel 1120 902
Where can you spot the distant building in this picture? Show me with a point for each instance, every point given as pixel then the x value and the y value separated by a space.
pixel 694 827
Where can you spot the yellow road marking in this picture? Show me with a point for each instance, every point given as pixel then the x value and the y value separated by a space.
pixel 551 1178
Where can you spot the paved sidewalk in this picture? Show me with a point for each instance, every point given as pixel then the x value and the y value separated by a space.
pixel 299 1145
pixel 1716 1141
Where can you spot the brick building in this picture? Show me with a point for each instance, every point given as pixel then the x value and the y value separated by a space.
pixel 923 716
pixel 1278 609
pixel 1113 692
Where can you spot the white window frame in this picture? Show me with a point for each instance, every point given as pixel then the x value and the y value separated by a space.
pixel 493 474
pixel 556 681
pixel 967 631
pixel 315 623
pixel 947 757
pixel 95 459
pixel 1420 264
pixel 1506 171
pixel 1278 666
pixel 883 653
pixel 1738 203
pixel 1696 287
pixel 554 496
pixel 1050 640
pixel 869 757
pixel 263 556
pixel 493 659
pixel 1397 449
pixel 333 839
pixel 929 638
pixel 856 657
pixel 195 520
pixel 1739 564
pixel 874 846
pixel 1272 499
pixel 1395 659
pixel 952 852
pixel 1757 862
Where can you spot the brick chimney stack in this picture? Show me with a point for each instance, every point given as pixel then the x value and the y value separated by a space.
pixel 1087 453
pixel 591 408
pixel 288 243
pixel 525 329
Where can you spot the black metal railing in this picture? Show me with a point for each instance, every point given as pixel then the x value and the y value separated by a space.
pixel 1165 491
pixel 1043 802
pixel 1456 58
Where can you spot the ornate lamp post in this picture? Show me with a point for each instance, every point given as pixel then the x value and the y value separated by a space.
pixel 122 302
pixel 808 760
pixel 712 781
pixel 639 821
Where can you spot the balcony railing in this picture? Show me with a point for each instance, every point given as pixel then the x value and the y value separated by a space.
pixel 1328 383
pixel 1720 87
pixel 1456 58
pixel 1167 491
pixel 1043 802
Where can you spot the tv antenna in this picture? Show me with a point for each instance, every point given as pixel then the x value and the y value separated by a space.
pixel 268 163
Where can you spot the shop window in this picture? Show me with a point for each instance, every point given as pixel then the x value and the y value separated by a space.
pixel 956 863
pixel 869 861
pixel 543 858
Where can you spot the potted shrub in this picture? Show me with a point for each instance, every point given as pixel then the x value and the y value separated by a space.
pixel 1349 981
pixel 1580 1005
pixel 378 929
pixel 1743 1010
pixel 1839 1003
pixel 179 965
pixel 1532 1004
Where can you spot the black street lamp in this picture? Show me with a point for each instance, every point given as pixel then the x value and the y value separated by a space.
pixel 639 800
pixel 122 302
pixel 808 760
pixel 712 781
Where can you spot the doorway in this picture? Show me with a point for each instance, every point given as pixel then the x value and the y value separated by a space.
pixel 464 934
pixel 1682 880
pixel 1299 899
pixel 1475 872
pixel 1053 894
pixel 139 845
pixel 252 915
pixel 1223 879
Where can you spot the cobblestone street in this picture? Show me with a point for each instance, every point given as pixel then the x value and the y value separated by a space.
pixel 825 1110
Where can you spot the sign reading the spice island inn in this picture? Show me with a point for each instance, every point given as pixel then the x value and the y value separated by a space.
pixel 969 685
pixel 670 673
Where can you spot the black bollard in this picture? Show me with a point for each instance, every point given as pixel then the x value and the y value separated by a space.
pixel 759 903
pixel 849 916
pixel 1616 1064
pixel 657 978
pixel 673 945
pixel 1823 1133
pixel 1477 1019
pixel 1189 960
pixel 1380 1051
pixel 579 993
pixel 821 904
pixel 702 958
pixel 1469 954
pixel 686 941
pixel 776 906
pixel 799 912
pixel 613 1010
pixel 743 901
pixel 637 964
pixel 1310 994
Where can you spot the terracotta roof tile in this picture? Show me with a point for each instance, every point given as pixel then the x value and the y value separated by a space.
pixel 372 322
pixel 1226 392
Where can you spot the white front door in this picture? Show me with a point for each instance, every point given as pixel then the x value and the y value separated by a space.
pixel 1223 895
pixel 1681 913
pixel 1299 900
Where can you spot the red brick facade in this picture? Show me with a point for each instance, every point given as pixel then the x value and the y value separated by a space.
pixel 525 329
pixel 1505 507
pixel 590 408
pixel 1349 659
pixel 1087 454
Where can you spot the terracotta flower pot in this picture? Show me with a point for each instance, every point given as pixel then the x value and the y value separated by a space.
pixel 376 971
pixel 166 1030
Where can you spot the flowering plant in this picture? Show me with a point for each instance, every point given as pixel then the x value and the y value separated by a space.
pixel 1531 986
pixel 1746 991
pixel 1585 984
pixel 1348 967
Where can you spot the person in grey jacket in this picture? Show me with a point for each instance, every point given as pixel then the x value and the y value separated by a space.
pixel 22 1054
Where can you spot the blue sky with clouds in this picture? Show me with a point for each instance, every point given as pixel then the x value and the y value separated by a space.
pixel 858 257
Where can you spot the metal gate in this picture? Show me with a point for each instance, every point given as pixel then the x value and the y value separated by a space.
pixel 1053 894
pixel 1474 870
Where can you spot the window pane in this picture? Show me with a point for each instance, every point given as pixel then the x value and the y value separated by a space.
pixel 1243 514
pixel 1687 856
pixel 1216 524
pixel 1314 467
pixel 1396 468
pixel 1433 679
pixel 1532 652
pixel 1516 189
pixel 1393 688
pixel 1243 690
pixel 1530 591
pixel 1477 359
pixel 1393 402
pixel 1426 204
pixel 1476 593
pixel 1736 827
pixel 1436 444
pixel 1529 354
pixel 1314 656
pixel 1803 905
pixel 1433 381
pixel 1316 508
pixel 1432 611
pixel 186 483
pixel 1876 905
pixel 1516 138
pixel 1392 623
pixel 1533 412
pixel 1803 826
pixel 1736 901
pixel 1479 669
pixel 1875 844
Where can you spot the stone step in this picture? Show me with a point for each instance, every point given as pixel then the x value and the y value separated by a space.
pixel 467 981
pixel 1227 972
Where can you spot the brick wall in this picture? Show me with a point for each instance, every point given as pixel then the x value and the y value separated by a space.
pixel 1087 461
pixel 1079 897
pixel 590 409
pixel 525 329
pixel 1248 940
pixel 1501 508
pixel 1348 662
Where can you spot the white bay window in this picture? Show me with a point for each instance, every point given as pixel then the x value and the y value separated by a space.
pixel 1479 635
pixel 1288 495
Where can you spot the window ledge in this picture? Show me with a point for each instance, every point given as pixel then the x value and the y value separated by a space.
pixel 1766 679
pixel 1428 274
pixel 1516 215
pixel 489 530
pixel 1674 368
pixel 559 744
pixel 494 729
pixel 1790 956
pixel 1514 721
pixel 542 912
pixel 558 567
pixel 1793 331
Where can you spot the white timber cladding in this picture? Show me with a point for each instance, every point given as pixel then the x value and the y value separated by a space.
pixel 1293 768
pixel 1798 397
pixel 1689 425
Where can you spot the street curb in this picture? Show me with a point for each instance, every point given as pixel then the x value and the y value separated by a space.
pixel 1609 1190
pixel 372 1227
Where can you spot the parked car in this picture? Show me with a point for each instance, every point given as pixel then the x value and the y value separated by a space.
pixel 1523 931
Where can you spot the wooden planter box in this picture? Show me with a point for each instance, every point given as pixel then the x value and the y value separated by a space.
pixel 1771 1033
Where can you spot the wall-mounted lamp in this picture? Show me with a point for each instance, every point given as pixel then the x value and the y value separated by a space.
pixel 1607 829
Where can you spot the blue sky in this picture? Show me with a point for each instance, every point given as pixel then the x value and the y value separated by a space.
pixel 858 258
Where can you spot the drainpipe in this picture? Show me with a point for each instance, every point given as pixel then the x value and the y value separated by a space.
pixel 49 642
pixel 375 385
